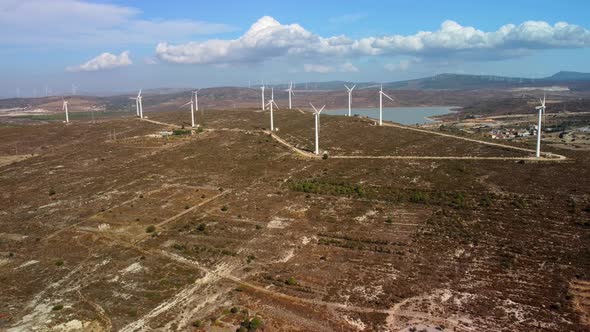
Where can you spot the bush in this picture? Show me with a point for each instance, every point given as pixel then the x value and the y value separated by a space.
pixel 325 156
pixel 150 229
pixel 57 307
pixel 179 132
pixel 198 323
pixel 234 310
pixel 255 323
pixel 201 227
pixel 59 263
pixel 291 281
pixel 224 208
pixel 52 192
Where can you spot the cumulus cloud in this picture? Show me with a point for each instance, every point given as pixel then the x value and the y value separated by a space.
pixel 268 39
pixel 104 61
pixel 402 65
pixel 74 22
pixel 322 69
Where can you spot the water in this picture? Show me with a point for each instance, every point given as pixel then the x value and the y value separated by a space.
pixel 403 115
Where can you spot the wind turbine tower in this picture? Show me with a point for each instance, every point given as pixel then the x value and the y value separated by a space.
pixel 196 93
pixel 317 127
pixel 65 108
pixel 262 88
pixel 192 103
pixel 271 102
pixel 349 98
pixel 290 91
pixel 541 111
pixel 381 94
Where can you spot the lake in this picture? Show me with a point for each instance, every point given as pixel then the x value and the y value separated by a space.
pixel 403 115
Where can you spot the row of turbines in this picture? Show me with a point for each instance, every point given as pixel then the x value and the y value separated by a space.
pixel 194 103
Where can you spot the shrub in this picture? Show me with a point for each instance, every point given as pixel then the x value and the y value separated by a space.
pixel 59 263
pixel 419 197
pixel 57 307
pixel 52 192
pixel 150 229
pixel 255 323
pixel 325 156
pixel 234 310
pixel 198 323
pixel 258 227
pixel 291 281
pixel 224 208
pixel 180 132
pixel 201 227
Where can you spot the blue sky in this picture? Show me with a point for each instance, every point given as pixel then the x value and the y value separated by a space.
pixel 111 46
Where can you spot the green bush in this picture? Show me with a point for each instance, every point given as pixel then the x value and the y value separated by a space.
pixel 224 208
pixel 59 263
pixel 180 132
pixel 57 307
pixel 291 281
pixel 234 310
pixel 52 192
pixel 150 229
pixel 198 323
pixel 201 227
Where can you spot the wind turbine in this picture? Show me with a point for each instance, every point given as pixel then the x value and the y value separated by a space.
pixel 349 98
pixel 263 104
pixel 381 94
pixel 138 105
pixel 196 93
pixel 317 127
pixel 270 103
pixel 65 108
pixel 541 111
pixel 192 111
pixel 290 91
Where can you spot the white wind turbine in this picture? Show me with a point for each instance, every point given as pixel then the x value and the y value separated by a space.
pixel 271 102
pixel 317 127
pixel 290 91
pixel 349 98
pixel 65 108
pixel 541 111
pixel 192 103
pixel 381 94
pixel 138 105
pixel 196 93
pixel 262 88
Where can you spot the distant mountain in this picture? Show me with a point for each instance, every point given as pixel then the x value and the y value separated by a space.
pixel 457 82
pixel 569 76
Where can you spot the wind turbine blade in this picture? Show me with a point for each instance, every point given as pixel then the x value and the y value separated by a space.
pixel 139 94
pixel 383 93
pixel 315 109
pixel 190 102
pixel 346 86
pixel 320 111
pixel 277 106
pixel 539 107
pixel 354 86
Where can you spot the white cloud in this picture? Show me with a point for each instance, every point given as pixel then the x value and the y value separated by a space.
pixel 319 68
pixel 349 68
pixel 104 61
pixel 74 22
pixel 312 68
pixel 268 39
